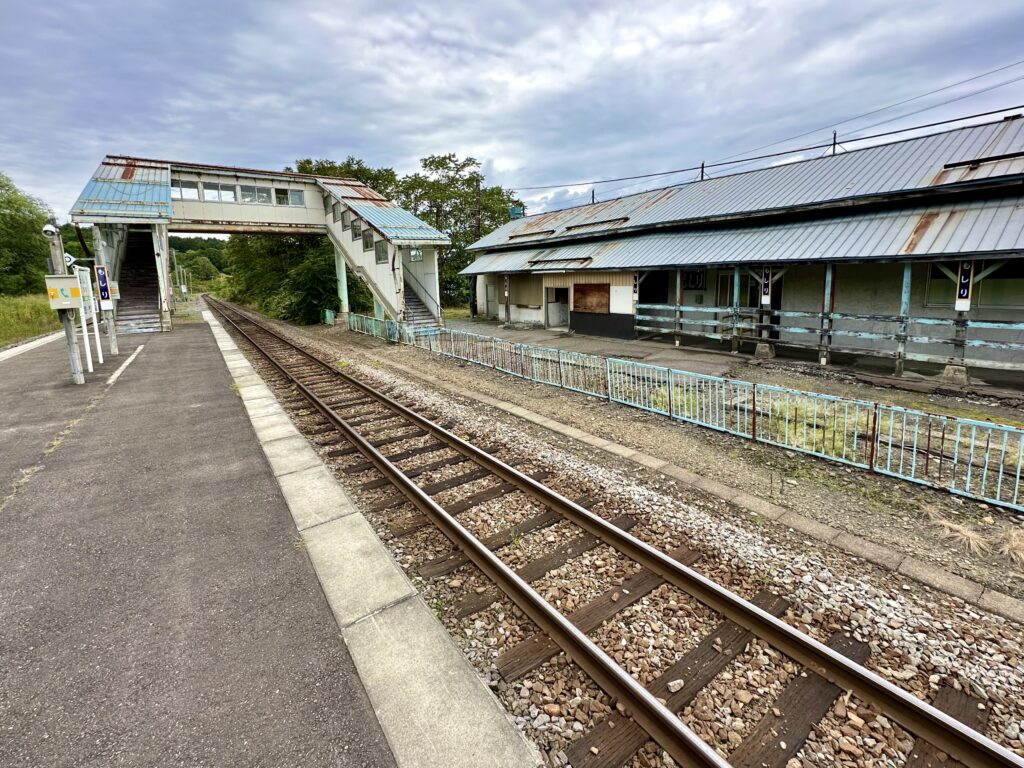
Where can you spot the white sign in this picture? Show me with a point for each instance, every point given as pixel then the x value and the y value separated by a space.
pixel 85 285
pixel 184 288
pixel 115 292
pixel 69 259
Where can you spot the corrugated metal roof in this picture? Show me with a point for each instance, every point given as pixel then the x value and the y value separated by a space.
pixel 396 224
pixel 952 230
pixel 911 164
pixel 126 190
pixel 344 188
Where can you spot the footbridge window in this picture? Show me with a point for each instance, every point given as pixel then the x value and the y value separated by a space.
pixel 289 197
pixel 253 194
pixel 336 212
pixel 184 190
pixel 218 193
pixel 367 240
pixel 380 251
pixel 357 229
pixel 346 220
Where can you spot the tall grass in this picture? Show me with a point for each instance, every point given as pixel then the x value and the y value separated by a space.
pixel 22 317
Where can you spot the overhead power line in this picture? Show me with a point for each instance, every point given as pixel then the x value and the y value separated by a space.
pixel 726 160
pixel 832 126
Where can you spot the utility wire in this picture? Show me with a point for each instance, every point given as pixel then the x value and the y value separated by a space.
pixel 879 109
pixel 744 162
pixel 806 133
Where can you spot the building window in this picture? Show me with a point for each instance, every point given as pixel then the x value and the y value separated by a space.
pixel 281 197
pixel 222 193
pixel 327 204
pixel 367 240
pixel 357 229
pixel 380 251
pixel 337 212
pixel 415 253
pixel 296 197
pixel 253 194
pixel 346 220
pixel 184 190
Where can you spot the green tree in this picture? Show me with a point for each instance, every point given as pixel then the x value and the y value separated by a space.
pixel 445 195
pixel 24 252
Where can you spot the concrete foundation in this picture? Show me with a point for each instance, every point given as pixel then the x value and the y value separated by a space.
pixel 764 351
pixel 956 374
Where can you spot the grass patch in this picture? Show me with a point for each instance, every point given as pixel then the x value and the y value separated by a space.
pixel 456 313
pixel 22 317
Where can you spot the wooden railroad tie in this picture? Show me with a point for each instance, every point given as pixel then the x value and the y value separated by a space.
pixel 413 523
pixel 956 704
pixel 537 568
pixel 616 739
pixel 538 648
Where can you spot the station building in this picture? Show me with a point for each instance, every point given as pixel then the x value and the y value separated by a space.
pixel 135 203
pixel 910 250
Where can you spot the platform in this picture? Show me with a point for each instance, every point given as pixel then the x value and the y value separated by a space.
pixel 157 604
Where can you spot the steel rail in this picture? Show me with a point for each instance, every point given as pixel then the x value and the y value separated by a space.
pixel 961 742
pixel 657 720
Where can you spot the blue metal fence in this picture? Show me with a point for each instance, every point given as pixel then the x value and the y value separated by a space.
pixel 970 458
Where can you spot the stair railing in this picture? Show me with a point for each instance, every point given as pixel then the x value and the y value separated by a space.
pixel 436 309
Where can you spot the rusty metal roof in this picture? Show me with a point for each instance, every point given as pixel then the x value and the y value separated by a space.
pixel 982 228
pixel 126 190
pixel 912 165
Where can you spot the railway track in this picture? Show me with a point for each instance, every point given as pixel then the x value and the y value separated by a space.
pixel 352 419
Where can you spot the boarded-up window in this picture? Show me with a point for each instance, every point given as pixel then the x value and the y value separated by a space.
pixel 526 290
pixel 591 297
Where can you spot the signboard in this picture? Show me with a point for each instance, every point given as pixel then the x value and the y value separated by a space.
pixel 695 279
pixel 766 287
pixel 964 286
pixel 85 285
pixel 106 304
pixel 115 292
pixel 184 289
pixel 63 292
pixel 636 284
pixel 69 259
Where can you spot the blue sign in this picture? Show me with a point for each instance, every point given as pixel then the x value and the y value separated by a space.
pixel 101 280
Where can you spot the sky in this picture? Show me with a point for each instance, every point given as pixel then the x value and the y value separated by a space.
pixel 541 93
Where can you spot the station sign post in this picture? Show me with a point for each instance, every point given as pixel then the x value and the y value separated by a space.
pixel 62 289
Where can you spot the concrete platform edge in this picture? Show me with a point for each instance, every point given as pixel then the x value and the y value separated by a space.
pixel 879 555
pixel 26 346
pixel 433 708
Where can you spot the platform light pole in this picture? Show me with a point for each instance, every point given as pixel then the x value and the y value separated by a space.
pixel 59 267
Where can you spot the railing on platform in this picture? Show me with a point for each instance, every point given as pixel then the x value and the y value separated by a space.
pixel 863 334
pixel 970 458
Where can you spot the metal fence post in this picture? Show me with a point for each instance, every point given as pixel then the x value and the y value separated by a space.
pixel 753 412
pixel 608 377
pixel 874 438
pixel 561 376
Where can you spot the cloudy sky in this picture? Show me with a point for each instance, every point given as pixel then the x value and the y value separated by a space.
pixel 542 93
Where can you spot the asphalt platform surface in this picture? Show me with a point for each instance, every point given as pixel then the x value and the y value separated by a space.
pixel 156 607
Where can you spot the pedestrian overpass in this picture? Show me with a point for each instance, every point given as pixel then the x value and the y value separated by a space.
pixel 135 203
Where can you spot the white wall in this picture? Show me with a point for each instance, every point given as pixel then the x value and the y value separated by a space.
pixel 425 272
pixel 210 216
pixel 385 284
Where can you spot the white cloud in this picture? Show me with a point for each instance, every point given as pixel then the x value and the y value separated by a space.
pixel 542 93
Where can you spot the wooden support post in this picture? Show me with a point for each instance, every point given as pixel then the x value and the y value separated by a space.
pixel 827 305
pixel 904 319
pixel 735 308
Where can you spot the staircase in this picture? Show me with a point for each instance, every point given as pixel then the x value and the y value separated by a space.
pixel 416 312
pixel 138 311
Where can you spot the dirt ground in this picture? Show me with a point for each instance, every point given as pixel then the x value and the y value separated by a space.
pixel 957 534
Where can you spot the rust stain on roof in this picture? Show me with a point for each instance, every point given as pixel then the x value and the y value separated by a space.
pixel 919 229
